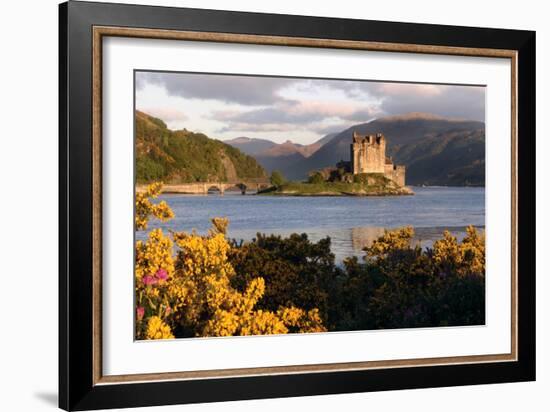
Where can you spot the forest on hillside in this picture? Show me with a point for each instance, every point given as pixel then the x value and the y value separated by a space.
pixel 183 156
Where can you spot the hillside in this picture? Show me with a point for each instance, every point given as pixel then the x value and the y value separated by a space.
pixel 452 158
pixel 277 156
pixel 403 133
pixel 282 149
pixel 279 162
pixel 182 156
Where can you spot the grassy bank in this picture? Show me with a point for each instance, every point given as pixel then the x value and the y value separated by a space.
pixel 382 188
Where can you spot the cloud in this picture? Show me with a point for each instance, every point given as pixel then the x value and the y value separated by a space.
pixel 265 127
pixel 467 102
pixel 391 98
pixel 223 105
pixel 312 115
pixel 365 114
pixel 400 89
pixel 322 109
pixel 168 114
pixel 456 101
pixel 244 90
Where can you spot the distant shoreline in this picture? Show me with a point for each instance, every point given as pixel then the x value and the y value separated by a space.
pixel 406 192
pixel 139 187
pixel 375 186
pixel 462 186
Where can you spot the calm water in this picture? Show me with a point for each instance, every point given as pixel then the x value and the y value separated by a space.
pixel 351 222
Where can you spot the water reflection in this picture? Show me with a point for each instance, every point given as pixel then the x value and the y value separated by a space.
pixel 361 237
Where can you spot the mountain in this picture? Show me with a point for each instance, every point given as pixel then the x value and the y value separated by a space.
pixel 283 149
pixel 455 158
pixel 182 156
pixel 264 147
pixel 325 139
pixel 250 146
pixel 273 156
pixel 281 163
pixel 402 132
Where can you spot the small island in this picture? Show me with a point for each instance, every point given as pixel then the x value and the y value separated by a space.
pixel 368 173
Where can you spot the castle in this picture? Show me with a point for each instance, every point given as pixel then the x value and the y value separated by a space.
pixel 368 155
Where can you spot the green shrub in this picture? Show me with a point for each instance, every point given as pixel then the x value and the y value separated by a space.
pixel 277 179
pixel 316 178
pixel 397 285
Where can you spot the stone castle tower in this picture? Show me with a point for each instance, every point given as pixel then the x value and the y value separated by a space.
pixel 368 155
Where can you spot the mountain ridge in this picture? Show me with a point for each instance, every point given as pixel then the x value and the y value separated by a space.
pixel 250 145
pixel 276 156
pixel 436 150
pixel 400 131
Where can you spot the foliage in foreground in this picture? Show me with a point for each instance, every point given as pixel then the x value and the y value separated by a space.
pixel 214 287
pixel 189 293
pixel 402 286
pixel 397 285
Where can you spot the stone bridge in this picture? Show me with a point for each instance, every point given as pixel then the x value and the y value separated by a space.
pixel 203 188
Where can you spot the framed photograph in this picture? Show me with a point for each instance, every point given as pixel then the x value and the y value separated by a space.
pixel 256 205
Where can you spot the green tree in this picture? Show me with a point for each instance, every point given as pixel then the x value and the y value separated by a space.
pixel 277 179
pixel 296 270
pixel 316 178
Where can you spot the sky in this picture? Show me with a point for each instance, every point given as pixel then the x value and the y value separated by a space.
pixel 301 110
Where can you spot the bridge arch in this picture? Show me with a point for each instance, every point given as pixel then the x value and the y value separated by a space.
pixel 241 187
pixel 214 189
pixel 203 188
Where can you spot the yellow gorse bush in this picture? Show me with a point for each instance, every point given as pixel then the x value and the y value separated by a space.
pixel 154 254
pixel 145 208
pixel 389 241
pixel 183 285
pixel 460 258
pixel 464 258
pixel 157 329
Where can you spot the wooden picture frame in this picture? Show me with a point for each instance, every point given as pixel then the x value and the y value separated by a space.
pixel 82 385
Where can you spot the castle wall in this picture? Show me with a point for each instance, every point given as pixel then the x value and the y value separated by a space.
pixel 368 155
pixel 354 157
pixel 395 173
pixel 375 156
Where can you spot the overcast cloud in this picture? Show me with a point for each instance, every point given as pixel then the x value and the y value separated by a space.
pixel 230 89
pixel 303 110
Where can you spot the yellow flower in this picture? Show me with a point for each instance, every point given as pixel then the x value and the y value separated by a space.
pixel 390 240
pixel 154 254
pixel 145 209
pixel 197 285
pixel 465 258
pixel 157 329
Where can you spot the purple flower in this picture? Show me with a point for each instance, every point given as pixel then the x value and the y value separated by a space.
pixel 148 280
pixel 140 312
pixel 162 274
